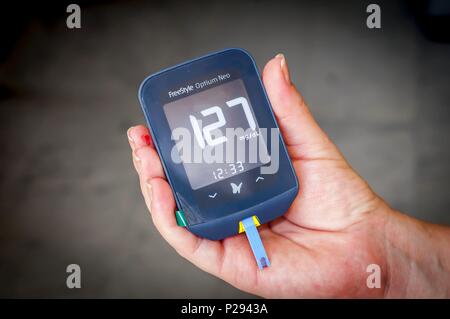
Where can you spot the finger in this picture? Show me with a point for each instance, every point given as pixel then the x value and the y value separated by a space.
pixel 148 163
pixel 303 136
pixel 205 254
pixel 159 199
pixel 139 136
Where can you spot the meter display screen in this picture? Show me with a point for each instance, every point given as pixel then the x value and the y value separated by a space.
pixel 216 134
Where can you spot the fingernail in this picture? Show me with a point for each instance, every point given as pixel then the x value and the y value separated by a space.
pixel 129 136
pixel 147 140
pixel 284 67
pixel 149 190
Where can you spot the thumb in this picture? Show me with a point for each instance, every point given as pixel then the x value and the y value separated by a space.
pixel 302 135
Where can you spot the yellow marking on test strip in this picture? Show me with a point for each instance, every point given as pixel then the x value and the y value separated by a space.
pixel 255 220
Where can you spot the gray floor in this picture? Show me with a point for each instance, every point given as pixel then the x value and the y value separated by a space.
pixel 68 193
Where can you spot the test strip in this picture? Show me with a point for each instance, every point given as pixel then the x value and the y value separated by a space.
pixel 255 242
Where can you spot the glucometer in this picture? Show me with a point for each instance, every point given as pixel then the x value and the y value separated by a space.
pixel 219 143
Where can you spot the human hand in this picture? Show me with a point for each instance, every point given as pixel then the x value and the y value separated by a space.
pixel 321 247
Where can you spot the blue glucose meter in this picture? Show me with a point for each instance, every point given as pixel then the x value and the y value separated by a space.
pixel 219 143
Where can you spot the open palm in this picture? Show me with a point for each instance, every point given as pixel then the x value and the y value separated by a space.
pixel 320 248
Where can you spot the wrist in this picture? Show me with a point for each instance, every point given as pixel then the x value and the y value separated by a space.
pixel 417 258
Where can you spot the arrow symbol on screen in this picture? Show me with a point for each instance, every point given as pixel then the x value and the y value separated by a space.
pixel 259 179
pixel 213 196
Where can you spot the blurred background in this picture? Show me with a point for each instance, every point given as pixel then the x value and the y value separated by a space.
pixel 68 192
